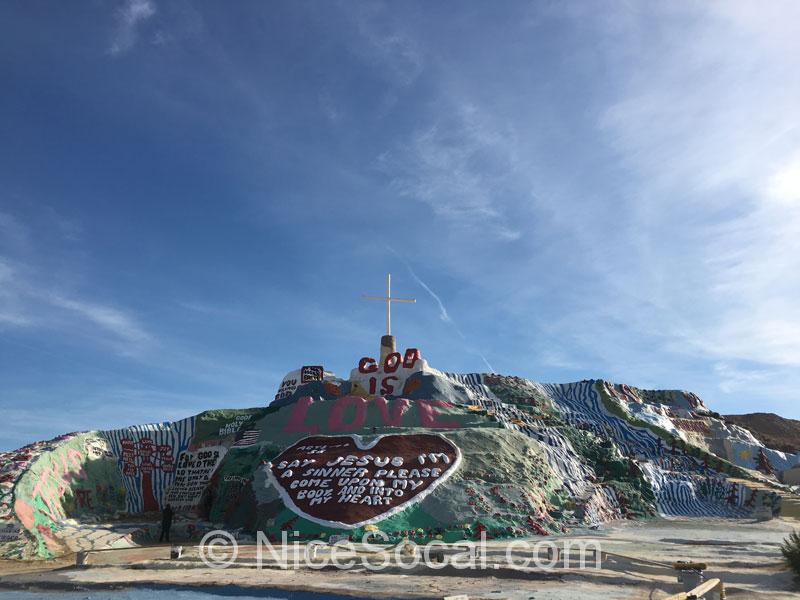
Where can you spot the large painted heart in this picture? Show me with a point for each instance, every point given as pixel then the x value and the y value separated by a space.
pixel 342 482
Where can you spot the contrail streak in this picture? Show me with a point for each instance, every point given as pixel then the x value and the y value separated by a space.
pixel 443 314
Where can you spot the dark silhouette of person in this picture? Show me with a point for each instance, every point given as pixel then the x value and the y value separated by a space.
pixel 166 522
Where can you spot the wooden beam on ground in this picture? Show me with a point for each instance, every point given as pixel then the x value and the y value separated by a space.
pixel 698 592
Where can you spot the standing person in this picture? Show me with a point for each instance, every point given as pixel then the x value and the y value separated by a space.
pixel 166 522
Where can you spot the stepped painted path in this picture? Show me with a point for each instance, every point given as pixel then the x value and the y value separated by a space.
pixel 398 448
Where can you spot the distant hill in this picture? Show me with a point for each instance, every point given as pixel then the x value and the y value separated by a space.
pixel 771 430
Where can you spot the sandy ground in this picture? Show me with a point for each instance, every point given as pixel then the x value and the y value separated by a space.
pixel 637 559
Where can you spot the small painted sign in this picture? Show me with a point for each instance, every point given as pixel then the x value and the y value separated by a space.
pixel 10 532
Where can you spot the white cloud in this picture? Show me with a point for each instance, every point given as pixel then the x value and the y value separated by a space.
pixel 109 319
pixel 129 19
pixel 13 311
pixel 678 236
pixel 13 234
pixel 24 302
pixel 394 52
pixel 13 318
pixel 732 379
pixel 707 120
pixel 5 272
pixel 328 107
pixel 784 184
pixel 29 299
pixel 555 357
pixel 458 166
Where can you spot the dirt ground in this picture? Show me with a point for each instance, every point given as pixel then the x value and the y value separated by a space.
pixel 637 562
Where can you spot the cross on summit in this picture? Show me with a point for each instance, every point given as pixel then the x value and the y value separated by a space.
pixel 388 298
pixel 388 341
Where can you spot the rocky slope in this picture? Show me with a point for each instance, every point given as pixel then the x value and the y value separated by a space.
pixel 770 429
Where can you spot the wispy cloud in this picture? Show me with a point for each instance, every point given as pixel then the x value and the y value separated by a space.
pixel 30 297
pixel 129 19
pixel 328 107
pixel 112 320
pixel 25 302
pixel 458 167
pixel 386 45
pixel 614 191
pixel 706 123
pixel 11 310
pixel 14 235
pixel 733 379
pixel 28 417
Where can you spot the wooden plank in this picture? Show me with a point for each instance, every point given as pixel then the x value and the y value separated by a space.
pixel 704 588
pixel 697 592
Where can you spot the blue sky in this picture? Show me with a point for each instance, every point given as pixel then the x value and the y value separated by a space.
pixel 195 195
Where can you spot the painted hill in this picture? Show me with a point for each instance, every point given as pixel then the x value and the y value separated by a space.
pixel 398 448
pixel 770 429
